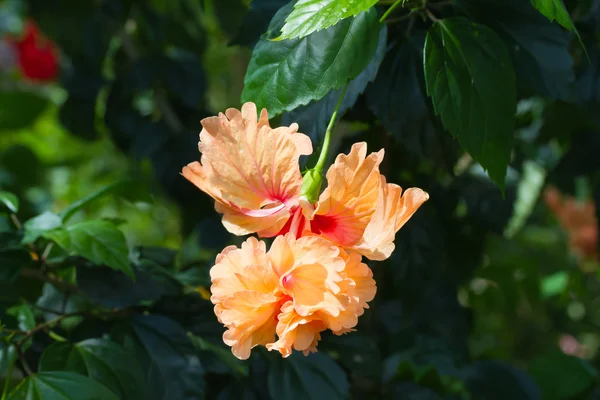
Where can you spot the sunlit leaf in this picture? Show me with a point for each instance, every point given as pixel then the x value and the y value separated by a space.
pixel 10 201
pixel 281 78
pixel 99 241
pixel 313 15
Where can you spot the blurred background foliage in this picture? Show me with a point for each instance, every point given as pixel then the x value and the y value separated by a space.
pixel 487 296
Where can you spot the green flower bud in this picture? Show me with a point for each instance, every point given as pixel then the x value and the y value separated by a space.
pixel 311 184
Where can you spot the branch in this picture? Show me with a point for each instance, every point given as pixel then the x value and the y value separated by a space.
pixel 57 282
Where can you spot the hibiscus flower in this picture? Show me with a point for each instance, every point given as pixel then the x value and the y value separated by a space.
pixel 251 171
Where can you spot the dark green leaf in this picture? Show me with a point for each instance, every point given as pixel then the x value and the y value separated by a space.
pixel 8 355
pixel 173 371
pixel 113 289
pixel 314 377
pixel 10 201
pixel 562 377
pixel 281 78
pixel 470 78
pixel 539 49
pixel 60 303
pixel 20 109
pixel 101 360
pixel 36 226
pixel 314 117
pixel 60 386
pixel 495 380
pixel 24 314
pixel 313 15
pixel 98 241
pixel 555 10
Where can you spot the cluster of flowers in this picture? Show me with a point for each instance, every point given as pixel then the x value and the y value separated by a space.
pixel 578 219
pixel 312 278
pixel 34 55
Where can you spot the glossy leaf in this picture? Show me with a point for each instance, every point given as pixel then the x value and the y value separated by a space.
pixel 314 117
pixel 10 201
pixel 256 21
pixel 314 15
pixel 555 10
pixel 98 241
pixel 172 368
pixel 36 226
pixel 101 360
pixel 314 377
pixel 60 386
pixel 281 78
pixel 470 79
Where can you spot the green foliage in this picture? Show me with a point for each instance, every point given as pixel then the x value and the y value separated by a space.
pixel 102 361
pixel 555 10
pixel 60 386
pixel 313 15
pixel 471 82
pixel 98 241
pixel 343 50
pixel 105 250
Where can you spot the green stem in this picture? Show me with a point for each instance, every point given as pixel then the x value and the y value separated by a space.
pixel 325 149
pixel 390 10
pixel 8 377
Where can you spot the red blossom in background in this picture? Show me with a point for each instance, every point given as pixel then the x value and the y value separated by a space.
pixel 37 55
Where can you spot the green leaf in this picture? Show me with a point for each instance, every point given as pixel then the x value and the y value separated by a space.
pixel 470 78
pixel 314 377
pixel 286 74
pixel 313 15
pixel 168 356
pixel 101 360
pixel 8 355
pixel 314 117
pixel 98 241
pixel 257 21
pixel 114 290
pixel 24 314
pixel 555 10
pixel 20 109
pixel 495 380
pixel 561 376
pixel 539 48
pixel 60 386
pixel 36 226
pixel 10 201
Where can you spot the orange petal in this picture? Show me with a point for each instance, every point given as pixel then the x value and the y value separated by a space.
pixel 250 169
pixel 393 210
pixel 348 202
pixel 296 332
pixel 246 296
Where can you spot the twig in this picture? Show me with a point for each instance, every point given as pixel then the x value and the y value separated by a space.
pixel 16 221
pixel 57 282
pixel 22 359
pixel 47 324
pixel 430 15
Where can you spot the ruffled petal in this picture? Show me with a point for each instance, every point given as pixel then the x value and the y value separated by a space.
pixel 347 204
pixel 393 210
pixel 250 169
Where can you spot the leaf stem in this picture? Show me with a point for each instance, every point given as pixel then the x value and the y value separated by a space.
pixel 8 379
pixel 390 10
pixel 325 149
pixel 22 359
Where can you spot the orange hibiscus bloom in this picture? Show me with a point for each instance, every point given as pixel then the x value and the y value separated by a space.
pixel 252 172
pixel 294 291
